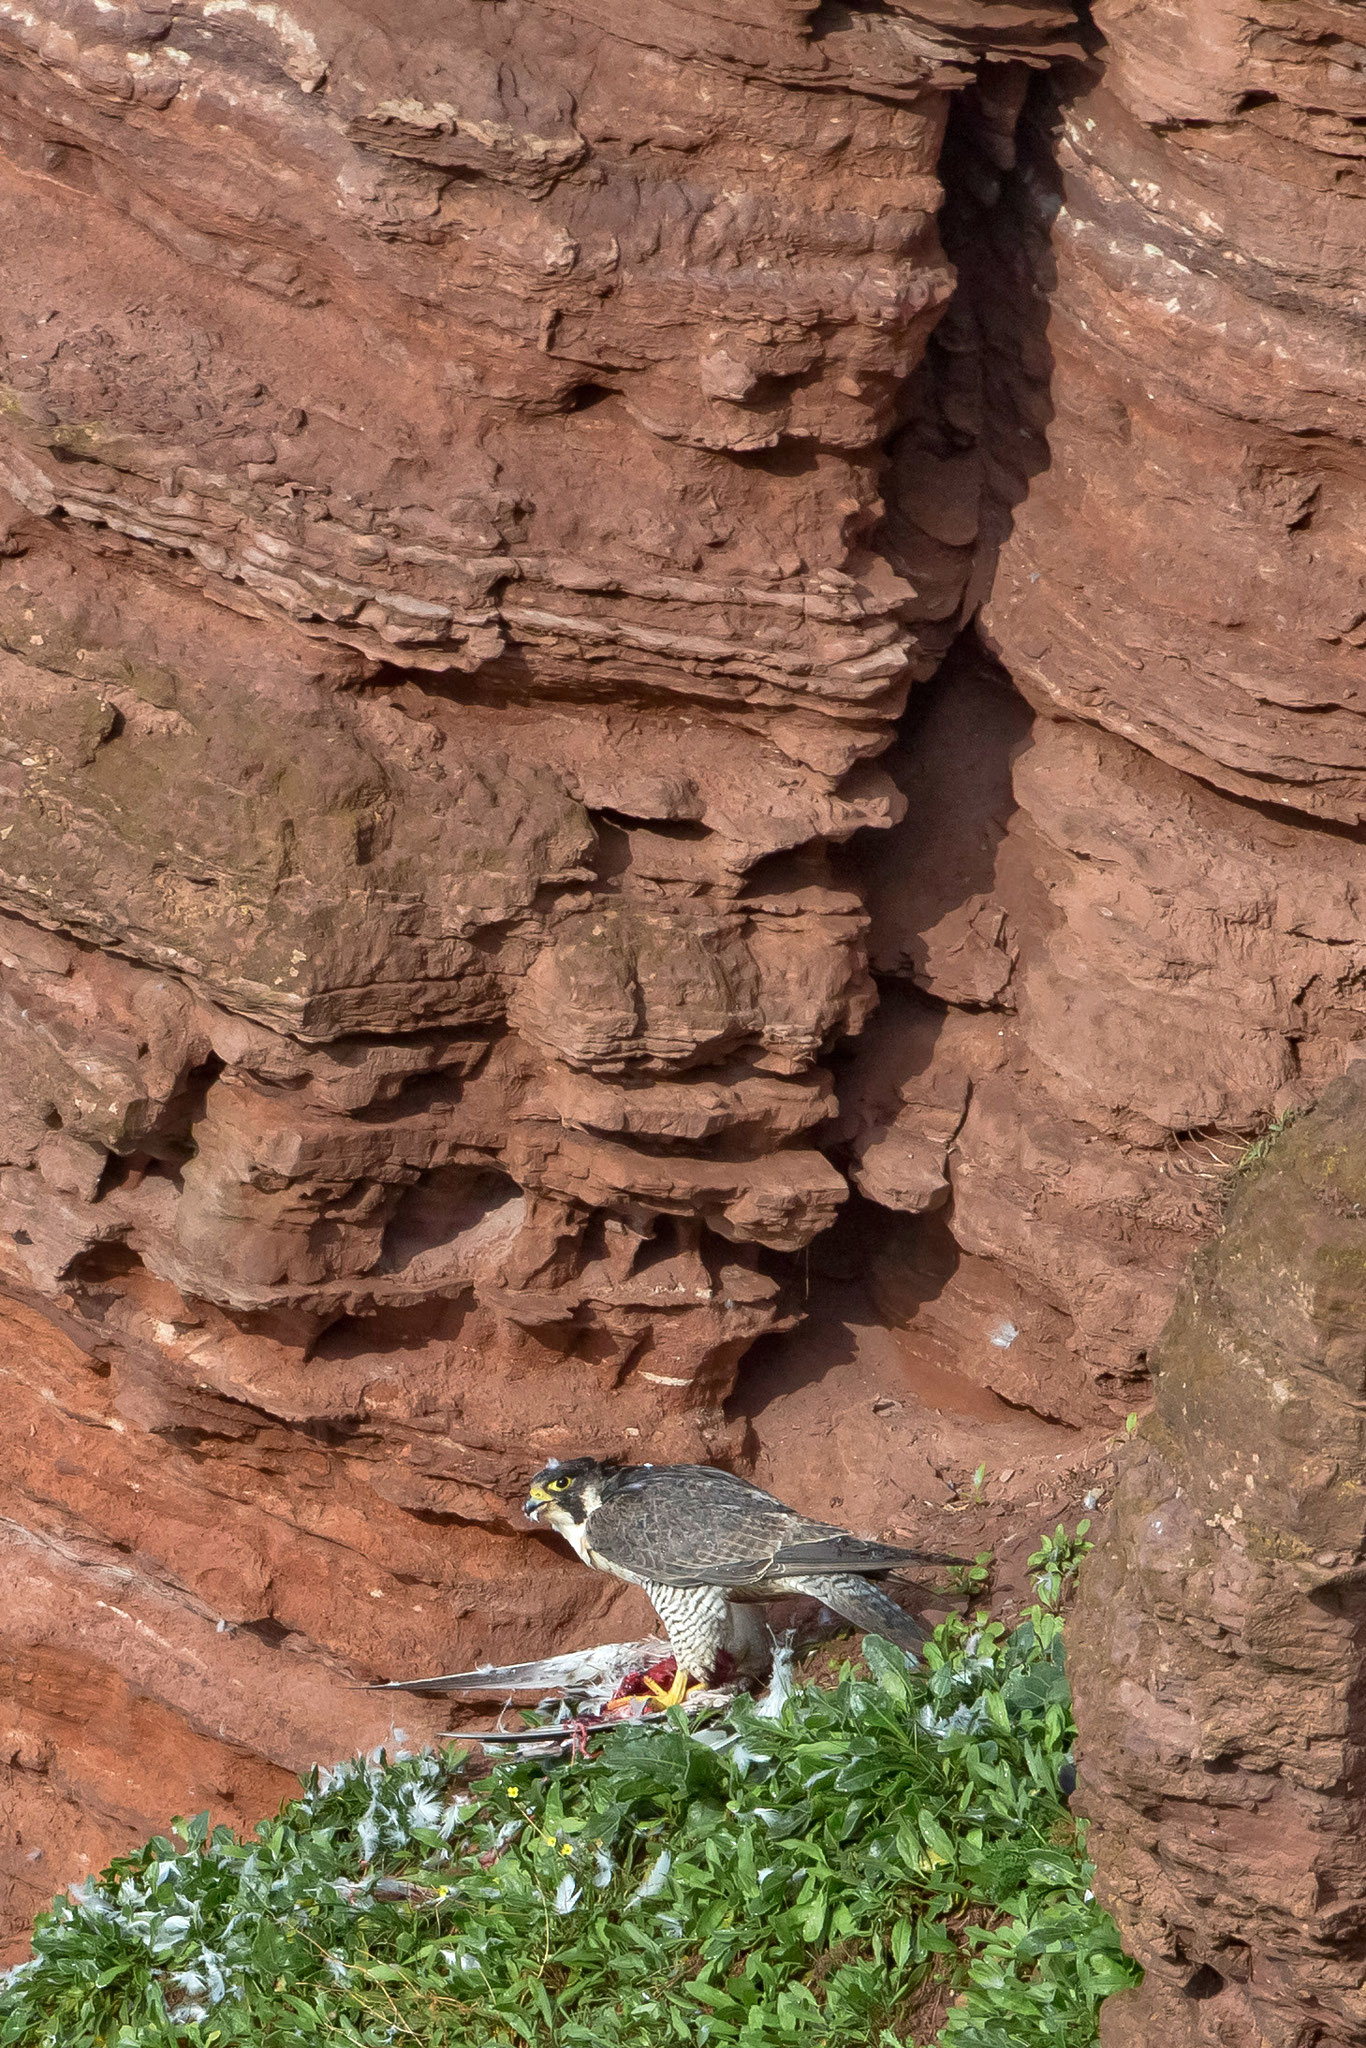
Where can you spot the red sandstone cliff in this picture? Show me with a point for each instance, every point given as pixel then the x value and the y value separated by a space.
pixel 447 637
pixel 491 496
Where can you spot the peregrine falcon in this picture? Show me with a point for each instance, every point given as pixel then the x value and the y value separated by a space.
pixel 696 1539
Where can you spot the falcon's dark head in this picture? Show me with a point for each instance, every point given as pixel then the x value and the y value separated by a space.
pixel 564 1495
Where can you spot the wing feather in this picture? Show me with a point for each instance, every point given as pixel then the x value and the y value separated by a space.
pixel 839 1551
pixel 685 1524
pixel 694 1525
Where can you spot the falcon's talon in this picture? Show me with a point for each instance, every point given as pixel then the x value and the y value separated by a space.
pixel 635 1687
pixel 677 1690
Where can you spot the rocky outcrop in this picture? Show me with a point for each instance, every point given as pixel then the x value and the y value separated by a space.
pixel 1043 1219
pixel 1101 981
pixel 1216 1653
pixel 1203 453
pixel 479 819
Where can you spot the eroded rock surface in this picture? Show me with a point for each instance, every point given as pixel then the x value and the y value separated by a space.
pixel 1216 1652
pixel 452 597
pixel 1124 935
pixel 507 821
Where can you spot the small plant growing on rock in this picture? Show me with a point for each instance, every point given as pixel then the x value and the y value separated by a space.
pixel 973 1581
pixel 1256 1152
pixel 1055 1564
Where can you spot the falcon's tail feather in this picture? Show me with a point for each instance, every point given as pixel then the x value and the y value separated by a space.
pixel 869 1608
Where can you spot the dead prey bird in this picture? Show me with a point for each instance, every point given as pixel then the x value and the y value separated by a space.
pixel 698 1540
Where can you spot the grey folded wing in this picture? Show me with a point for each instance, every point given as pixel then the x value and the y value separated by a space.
pixel 682 1525
pixel 811 1556
pixel 837 1551
pixel 692 1525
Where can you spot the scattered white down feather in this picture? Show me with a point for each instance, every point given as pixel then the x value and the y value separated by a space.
pixel 656 1877
pixel 779 1689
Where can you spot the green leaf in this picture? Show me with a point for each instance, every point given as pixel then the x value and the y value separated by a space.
pixel 889 1665
pixel 997 1712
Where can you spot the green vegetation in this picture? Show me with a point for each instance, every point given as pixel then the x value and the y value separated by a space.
pixel 1260 1146
pixel 1057 1561
pixel 885 1861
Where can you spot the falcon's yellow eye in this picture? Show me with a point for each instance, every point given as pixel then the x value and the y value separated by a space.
pixel 558 1485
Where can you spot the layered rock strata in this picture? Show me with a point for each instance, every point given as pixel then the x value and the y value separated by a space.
pixel 481 484
pixel 1202 620
pixel 1134 937
pixel 447 620
pixel 1121 937
pixel 1217 1651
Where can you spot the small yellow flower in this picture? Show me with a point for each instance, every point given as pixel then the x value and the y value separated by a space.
pixel 514 1792
pixel 565 1849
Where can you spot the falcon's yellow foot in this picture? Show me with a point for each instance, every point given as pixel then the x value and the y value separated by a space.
pixel 674 1694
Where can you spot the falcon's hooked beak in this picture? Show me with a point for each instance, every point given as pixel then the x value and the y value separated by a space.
pixel 560 1495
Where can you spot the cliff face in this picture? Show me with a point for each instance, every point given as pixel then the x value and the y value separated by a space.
pixel 483 485
pixel 1138 916
pixel 447 634
pixel 1205 613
